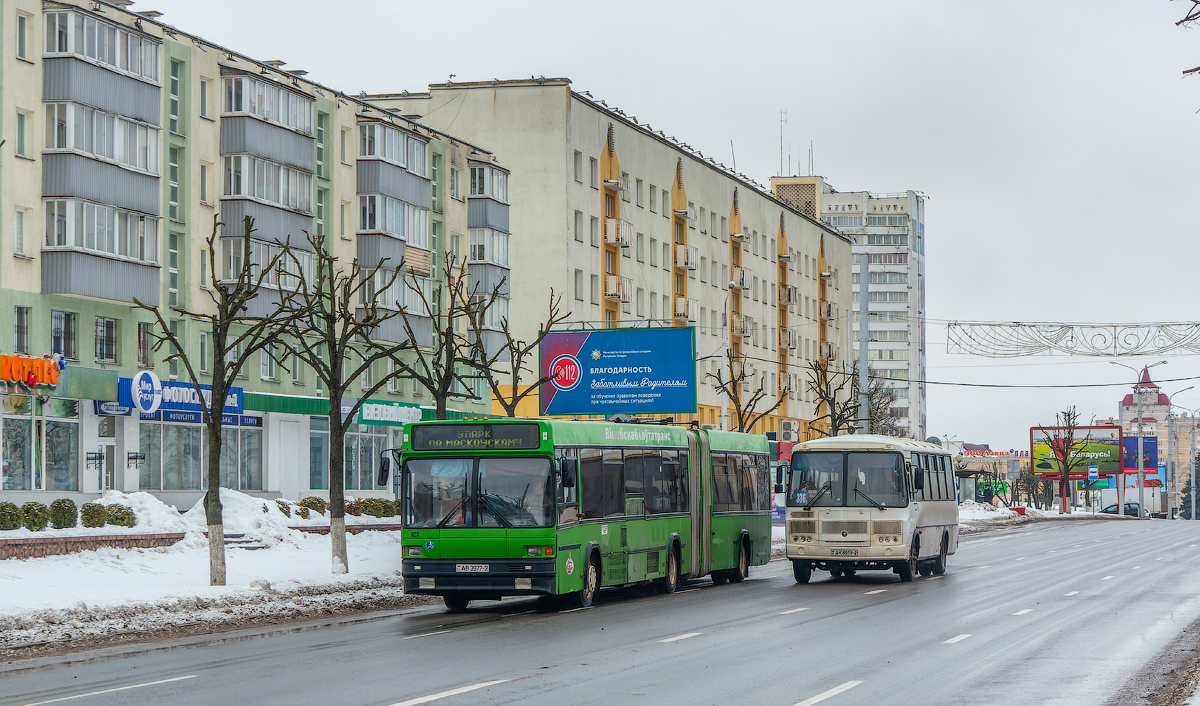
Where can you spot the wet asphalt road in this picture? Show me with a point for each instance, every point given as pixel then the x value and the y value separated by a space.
pixel 1049 613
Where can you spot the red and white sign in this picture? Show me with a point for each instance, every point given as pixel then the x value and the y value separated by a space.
pixel 570 565
pixel 565 371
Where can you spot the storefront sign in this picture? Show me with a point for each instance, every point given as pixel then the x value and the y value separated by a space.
pixel 27 371
pixel 394 414
pixel 170 395
pixel 111 409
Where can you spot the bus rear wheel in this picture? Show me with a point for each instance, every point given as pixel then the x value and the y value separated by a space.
pixel 939 564
pixel 802 570
pixel 456 604
pixel 742 570
pixel 670 582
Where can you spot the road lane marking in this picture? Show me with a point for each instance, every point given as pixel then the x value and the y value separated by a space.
pixel 878 590
pixel 684 636
pixel 793 610
pixel 1137 567
pixel 957 638
pixel 688 590
pixel 1159 559
pixel 930 578
pixel 1072 593
pixel 1020 558
pixel 452 692
pixel 572 610
pixel 1023 611
pixel 109 691
pixel 985 566
pixel 425 634
pixel 1053 550
pixel 1106 578
pixel 826 694
pixel 1076 545
pixel 513 615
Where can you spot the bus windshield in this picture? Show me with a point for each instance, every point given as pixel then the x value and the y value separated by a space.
pixel 478 492
pixel 837 479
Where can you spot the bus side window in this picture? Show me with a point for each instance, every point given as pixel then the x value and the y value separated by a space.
pixel 675 480
pixel 724 493
pixel 591 477
pixel 763 499
pixel 947 478
pixel 658 486
pixel 634 468
pixel 613 483
pixel 568 498
pixel 929 493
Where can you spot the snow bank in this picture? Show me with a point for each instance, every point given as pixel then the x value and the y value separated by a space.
pixel 971 512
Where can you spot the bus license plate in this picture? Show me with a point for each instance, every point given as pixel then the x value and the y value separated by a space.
pixel 472 568
pixel 843 552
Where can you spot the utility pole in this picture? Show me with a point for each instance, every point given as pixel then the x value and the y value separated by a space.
pixel 1192 465
pixel 1137 391
pixel 864 320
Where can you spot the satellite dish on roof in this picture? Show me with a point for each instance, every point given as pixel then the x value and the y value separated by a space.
pixel 934 440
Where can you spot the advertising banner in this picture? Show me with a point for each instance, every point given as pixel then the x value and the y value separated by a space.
pixel 1093 446
pixel 1129 447
pixel 147 394
pixel 626 371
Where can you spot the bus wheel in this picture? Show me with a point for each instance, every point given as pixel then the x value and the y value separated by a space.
pixel 925 569
pixel 742 570
pixel 591 584
pixel 719 577
pixel 670 582
pixel 456 604
pixel 939 564
pixel 802 570
pixel 909 568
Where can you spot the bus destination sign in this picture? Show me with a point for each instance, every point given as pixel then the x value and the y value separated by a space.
pixel 475 437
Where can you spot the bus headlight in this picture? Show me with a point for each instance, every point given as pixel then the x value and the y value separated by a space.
pixel 412 551
pixel 539 551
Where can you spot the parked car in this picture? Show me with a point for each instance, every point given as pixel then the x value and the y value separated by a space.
pixel 1131 509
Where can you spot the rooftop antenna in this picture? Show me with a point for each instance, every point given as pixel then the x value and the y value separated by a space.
pixel 733 155
pixel 810 158
pixel 782 122
pixel 789 157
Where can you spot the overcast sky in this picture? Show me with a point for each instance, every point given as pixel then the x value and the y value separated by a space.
pixel 1056 141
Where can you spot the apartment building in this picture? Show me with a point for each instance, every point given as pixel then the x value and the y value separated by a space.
pixel 635 228
pixel 126 142
pixel 889 231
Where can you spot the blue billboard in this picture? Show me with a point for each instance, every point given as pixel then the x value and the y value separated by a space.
pixel 619 371
pixel 146 394
pixel 1129 445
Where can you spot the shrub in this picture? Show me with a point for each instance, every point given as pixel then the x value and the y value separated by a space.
pixel 378 507
pixel 63 513
pixel 353 507
pixel 284 506
pixel 121 515
pixel 35 516
pixel 93 514
pixel 315 503
pixel 302 512
pixel 10 516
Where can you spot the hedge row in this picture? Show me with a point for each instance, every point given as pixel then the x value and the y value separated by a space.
pixel 63 514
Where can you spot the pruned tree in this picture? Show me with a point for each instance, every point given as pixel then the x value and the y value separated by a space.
pixel 746 390
pixel 835 392
pixel 880 398
pixel 250 306
pixel 445 361
pixel 333 325
pixel 504 366
pixel 1066 451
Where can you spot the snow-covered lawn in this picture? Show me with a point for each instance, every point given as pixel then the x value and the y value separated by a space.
pixel 126 590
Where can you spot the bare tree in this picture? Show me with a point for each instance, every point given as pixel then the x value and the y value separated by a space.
pixel 746 390
pixel 835 393
pixel 250 305
pixel 445 361
pixel 880 398
pixel 510 359
pixel 1066 451
pixel 333 329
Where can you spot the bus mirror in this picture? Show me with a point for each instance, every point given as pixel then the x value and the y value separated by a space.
pixel 779 477
pixel 566 469
pixel 385 469
pixel 778 488
pixel 918 478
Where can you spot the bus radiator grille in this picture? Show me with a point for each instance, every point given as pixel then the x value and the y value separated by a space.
pixel 802 527
pixel 847 526
pixel 887 527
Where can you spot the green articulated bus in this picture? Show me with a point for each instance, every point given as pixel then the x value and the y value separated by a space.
pixel 495 508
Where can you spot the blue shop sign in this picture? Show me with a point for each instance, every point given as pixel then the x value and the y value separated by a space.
pixel 171 395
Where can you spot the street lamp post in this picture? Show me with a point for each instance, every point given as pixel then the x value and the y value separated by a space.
pixel 1141 462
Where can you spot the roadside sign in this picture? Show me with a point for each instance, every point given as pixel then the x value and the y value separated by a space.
pixel 1093 472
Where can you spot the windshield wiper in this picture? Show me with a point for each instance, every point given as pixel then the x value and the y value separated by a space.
pixel 487 499
pixel 868 497
pixel 450 514
pixel 812 502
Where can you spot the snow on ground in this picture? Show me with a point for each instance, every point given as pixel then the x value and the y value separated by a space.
pixel 108 591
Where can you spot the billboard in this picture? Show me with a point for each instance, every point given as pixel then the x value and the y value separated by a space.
pixel 1096 446
pixel 1149 454
pixel 619 371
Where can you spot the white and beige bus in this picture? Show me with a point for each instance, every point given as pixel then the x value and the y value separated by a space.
pixel 867 502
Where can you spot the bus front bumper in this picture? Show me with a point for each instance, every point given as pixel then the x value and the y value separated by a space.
pixel 840 556
pixel 502 577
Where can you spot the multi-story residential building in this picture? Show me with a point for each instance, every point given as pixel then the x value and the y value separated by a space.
pixel 126 141
pixel 888 230
pixel 634 228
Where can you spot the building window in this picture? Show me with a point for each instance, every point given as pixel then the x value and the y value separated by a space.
pixel 653 199
pixel 666 204
pixel 173 183
pixel 579 226
pixel 103 136
pixel 489 246
pixel 578 165
pixel 106 340
pixel 256 178
pixel 173 96
pixel 173 365
pixel 595 289
pixel 455 186
pixel 204 183
pixel 594 167
pixel 654 252
pixel 625 180
pixel 172 269
pixel 267 363
pixel 144 342
pixel 595 231
pixel 342 220
pixel 322 128
pixel 202 351
pixel 378 213
pixel 204 86
pixel 319 215
pixel 249 96
pixel 21 329
pixel 110 46
pixel 638 191
pixel 20 147
pixel 578 282
pixel 345 138
pixel 435 164
pixel 641 247
pixel 22 36
pixel 19 232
